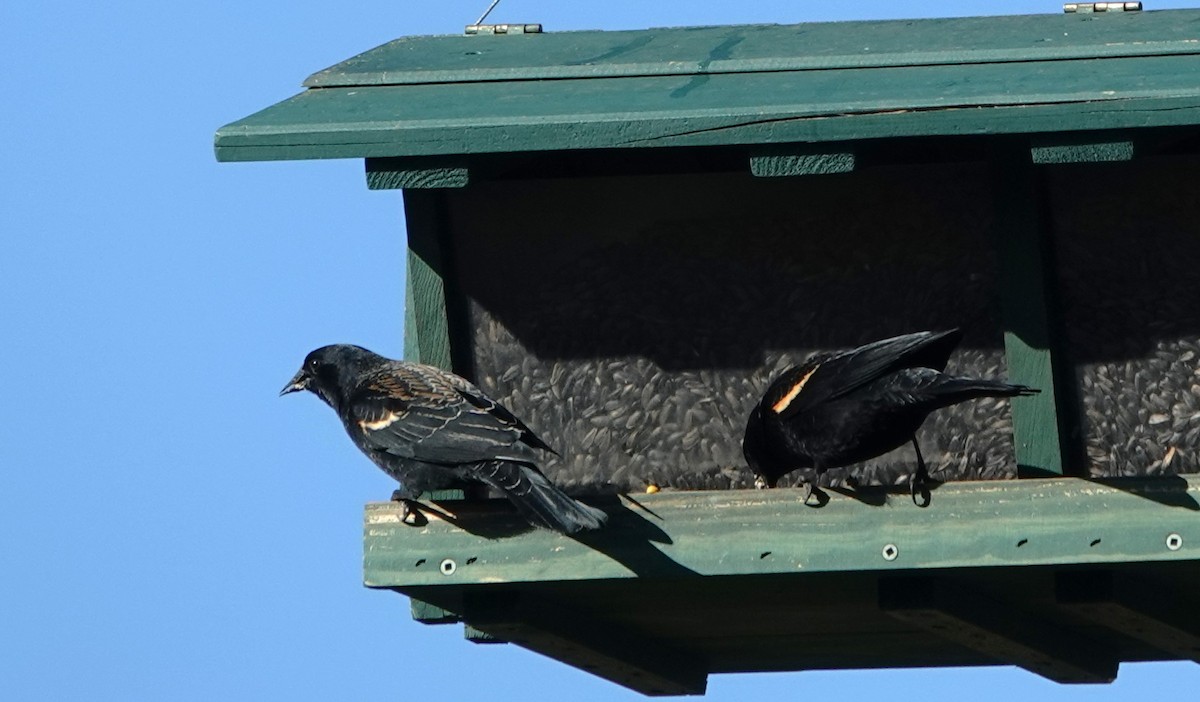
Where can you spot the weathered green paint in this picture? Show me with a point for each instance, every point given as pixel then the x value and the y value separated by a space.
pixel 721 109
pixel 431 614
pixel 389 174
pixel 784 586
pixel 479 636
pixel 795 162
pixel 1050 151
pixel 1158 613
pixel 568 634
pixel 426 329
pixel 758 48
pixel 1029 330
pixel 1049 522
pixel 972 619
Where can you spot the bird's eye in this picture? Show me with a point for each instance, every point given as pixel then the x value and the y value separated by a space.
pixel 313 364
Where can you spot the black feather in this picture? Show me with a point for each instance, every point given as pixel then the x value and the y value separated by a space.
pixel 430 429
pixel 844 408
pixel 537 499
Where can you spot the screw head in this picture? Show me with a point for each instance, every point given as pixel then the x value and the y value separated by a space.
pixel 448 566
pixel 890 552
pixel 1174 541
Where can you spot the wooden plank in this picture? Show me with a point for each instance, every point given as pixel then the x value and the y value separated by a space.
pixel 426 323
pixel 427 613
pixel 1060 150
pixel 682 535
pixel 479 636
pixel 810 621
pixel 426 328
pixel 1030 331
pixel 396 174
pixel 757 108
pixel 753 48
pixel 601 648
pixel 1155 612
pixel 797 160
pixel 996 629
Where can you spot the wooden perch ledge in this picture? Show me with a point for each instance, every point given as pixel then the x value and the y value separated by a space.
pixel 733 581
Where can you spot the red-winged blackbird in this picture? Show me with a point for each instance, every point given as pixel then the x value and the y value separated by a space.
pixel 430 430
pixel 846 407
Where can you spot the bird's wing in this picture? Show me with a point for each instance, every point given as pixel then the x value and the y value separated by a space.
pixel 422 413
pixel 499 413
pixel 829 377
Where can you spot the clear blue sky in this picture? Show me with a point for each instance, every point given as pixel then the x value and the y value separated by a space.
pixel 169 528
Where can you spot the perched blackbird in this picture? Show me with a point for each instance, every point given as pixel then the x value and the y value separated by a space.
pixel 430 429
pixel 841 408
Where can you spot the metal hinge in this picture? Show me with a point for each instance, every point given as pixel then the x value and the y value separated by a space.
pixel 1102 7
pixel 504 29
pixel 478 27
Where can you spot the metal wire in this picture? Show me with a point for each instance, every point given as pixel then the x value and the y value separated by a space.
pixel 487 12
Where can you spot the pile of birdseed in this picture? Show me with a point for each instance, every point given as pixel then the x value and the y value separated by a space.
pixel 633 323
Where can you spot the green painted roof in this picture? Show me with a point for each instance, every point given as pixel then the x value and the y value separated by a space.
pixel 751 84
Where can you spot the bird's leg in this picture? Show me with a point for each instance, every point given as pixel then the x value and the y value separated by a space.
pixel 919 483
pixel 810 485
pixel 410 512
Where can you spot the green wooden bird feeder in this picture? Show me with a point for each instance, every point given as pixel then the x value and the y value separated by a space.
pixel 624 235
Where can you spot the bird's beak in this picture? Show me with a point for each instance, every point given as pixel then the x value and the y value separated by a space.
pixel 297 383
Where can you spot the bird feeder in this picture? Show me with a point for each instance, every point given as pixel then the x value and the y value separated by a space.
pixel 624 235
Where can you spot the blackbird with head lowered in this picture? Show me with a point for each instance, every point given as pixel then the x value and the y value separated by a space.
pixel 430 430
pixel 842 408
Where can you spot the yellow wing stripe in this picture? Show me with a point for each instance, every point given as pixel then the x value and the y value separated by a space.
pixel 381 423
pixel 786 400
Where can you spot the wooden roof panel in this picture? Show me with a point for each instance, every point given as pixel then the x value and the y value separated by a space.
pixel 704 110
pixel 754 48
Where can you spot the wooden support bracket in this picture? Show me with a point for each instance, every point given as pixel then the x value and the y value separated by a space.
pixel 426 324
pixel 1153 612
pixel 571 636
pixel 474 635
pixel 1082 150
pixel 415 173
pixel 799 160
pixel 426 327
pixel 427 613
pixel 1040 422
pixel 995 629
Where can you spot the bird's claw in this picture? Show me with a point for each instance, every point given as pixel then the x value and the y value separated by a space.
pixel 410 512
pixel 918 485
pixel 808 491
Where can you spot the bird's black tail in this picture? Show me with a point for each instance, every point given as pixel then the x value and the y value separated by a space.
pixel 955 390
pixel 538 499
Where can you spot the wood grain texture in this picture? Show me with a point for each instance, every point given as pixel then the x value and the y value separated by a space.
pixel 1169 620
pixel 782 586
pixel 782 163
pixel 1046 152
pixel 1031 332
pixel 569 634
pixel 753 48
pixel 971 619
pixel 706 110
pixel 396 174
pixel 426 329
pixel 1049 522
